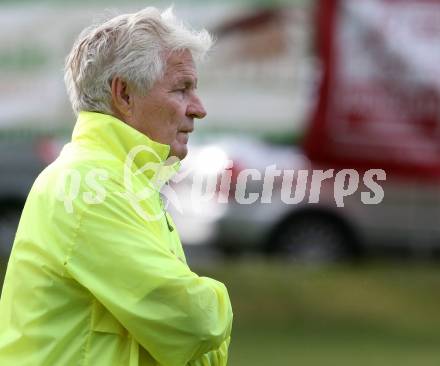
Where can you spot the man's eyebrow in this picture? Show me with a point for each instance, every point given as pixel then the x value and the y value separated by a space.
pixel 187 81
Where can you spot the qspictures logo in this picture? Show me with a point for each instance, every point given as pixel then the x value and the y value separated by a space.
pixel 292 186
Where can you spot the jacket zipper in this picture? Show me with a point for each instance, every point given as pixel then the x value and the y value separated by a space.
pixel 170 227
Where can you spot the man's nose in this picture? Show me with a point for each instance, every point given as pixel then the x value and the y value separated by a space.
pixel 196 108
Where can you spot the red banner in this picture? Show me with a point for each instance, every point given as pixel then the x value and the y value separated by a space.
pixel 379 101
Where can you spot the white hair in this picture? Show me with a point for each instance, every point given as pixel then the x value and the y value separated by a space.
pixel 131 46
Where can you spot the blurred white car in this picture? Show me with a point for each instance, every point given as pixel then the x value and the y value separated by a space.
pixel 224 215
pixel 379 214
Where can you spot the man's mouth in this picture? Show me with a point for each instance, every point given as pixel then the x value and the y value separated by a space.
pixel 183 137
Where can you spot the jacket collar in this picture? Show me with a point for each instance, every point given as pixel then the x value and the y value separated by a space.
pixel 126 144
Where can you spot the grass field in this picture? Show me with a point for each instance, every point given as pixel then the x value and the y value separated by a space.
pixel 383 314
pixel 373 315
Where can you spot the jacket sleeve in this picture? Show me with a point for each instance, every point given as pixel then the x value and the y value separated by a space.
pixel 176 315
pixel 218 357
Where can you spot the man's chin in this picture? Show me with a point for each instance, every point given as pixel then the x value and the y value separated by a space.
pixel 179 150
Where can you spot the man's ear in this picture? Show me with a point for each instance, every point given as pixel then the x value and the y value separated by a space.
pixel 122 100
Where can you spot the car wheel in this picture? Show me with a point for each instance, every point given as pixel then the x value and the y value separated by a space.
pixel 312 239
pixel 9 218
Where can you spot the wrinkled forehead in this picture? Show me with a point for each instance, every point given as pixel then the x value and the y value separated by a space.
pixel 180 64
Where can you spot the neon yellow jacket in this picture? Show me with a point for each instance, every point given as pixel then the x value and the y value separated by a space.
pixel 97 275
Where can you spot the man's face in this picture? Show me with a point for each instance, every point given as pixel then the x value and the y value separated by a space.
pixel 166 114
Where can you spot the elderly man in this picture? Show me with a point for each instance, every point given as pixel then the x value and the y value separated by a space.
pixel 97 274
